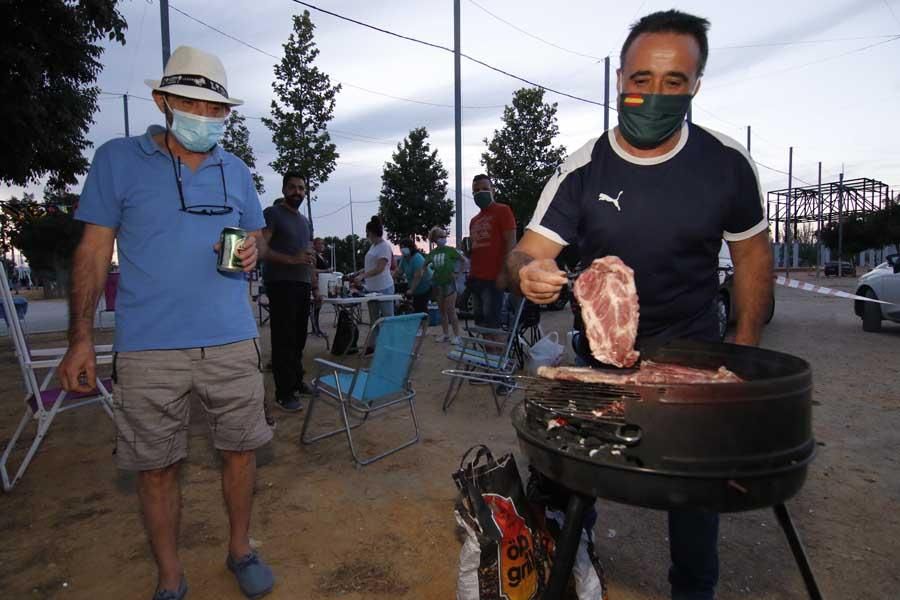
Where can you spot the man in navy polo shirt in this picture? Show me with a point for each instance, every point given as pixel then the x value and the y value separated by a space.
pixel 182 326
pixel 661 194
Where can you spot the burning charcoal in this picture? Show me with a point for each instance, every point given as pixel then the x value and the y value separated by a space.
pixel 557 422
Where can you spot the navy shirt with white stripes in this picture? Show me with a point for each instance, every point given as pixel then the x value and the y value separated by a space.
pixel 665 217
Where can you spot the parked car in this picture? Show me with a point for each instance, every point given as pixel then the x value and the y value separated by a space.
pixel 881 283
pixel 725 305
pixel 847 269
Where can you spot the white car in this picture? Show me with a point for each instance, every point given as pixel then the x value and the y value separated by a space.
pixel 881 283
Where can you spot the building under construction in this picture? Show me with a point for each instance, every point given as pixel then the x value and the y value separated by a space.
pixel 821 204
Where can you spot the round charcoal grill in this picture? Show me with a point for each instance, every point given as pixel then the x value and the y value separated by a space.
pixel 720 447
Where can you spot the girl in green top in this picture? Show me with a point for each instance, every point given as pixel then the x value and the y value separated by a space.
pixel 443 259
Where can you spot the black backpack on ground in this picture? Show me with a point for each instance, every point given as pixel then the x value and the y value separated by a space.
pixel 346 335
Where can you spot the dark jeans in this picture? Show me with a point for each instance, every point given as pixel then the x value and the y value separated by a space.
pixel 420 302
pixel 289 309
pixel 488 302
pixel 693 546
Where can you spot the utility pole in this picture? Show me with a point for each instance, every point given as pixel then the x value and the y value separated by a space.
pixel 606 94
pixel 748 139
pixel 819 234
pixel 352 234
pixel 788 254
pixel 457 110
pixel 164 27
pixel 125 105
pixel 840 221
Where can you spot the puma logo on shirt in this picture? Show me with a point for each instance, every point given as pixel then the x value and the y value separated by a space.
pixel 614 201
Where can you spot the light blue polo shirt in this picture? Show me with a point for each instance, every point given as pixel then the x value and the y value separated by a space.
pixel 170 293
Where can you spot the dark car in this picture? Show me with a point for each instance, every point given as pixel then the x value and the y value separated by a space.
pixel 847 269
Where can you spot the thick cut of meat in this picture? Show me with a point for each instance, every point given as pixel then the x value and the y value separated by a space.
pixel 586 375
pixel 609 309
pixel 656 373
pixel 650 373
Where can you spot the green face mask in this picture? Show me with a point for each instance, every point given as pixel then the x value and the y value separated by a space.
pixel 483 199
pixel 648 120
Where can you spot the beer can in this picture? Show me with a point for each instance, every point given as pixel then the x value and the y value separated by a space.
pixel 231 240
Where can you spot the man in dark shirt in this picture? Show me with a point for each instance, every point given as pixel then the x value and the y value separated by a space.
pixel 288 276
pixel 323 265
pixel 661 194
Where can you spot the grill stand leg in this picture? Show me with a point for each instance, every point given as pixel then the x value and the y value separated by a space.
pixel 790 532
pixel 567 546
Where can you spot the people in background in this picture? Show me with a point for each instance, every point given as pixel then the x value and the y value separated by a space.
pixel 418 275
pixel 323 264
pixel 493 234
pixel 376 274
pixel 444 259
pixel 288 278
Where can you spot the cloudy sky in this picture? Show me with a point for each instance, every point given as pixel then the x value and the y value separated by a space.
pixel 818 75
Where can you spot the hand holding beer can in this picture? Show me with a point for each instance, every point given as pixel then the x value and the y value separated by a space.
pixel 230 241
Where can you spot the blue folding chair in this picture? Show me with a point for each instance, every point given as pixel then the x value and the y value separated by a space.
pixel 363 391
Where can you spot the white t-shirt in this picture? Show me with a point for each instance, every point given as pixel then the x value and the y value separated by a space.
pixel 383 280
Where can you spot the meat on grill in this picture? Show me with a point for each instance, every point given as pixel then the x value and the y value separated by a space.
pixel 649 373
pixel 609 309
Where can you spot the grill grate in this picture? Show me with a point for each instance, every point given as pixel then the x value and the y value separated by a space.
pixel 584 402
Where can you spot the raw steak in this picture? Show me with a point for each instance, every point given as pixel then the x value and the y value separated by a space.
pixel 650 373
pixel 609 309
pixel 586 375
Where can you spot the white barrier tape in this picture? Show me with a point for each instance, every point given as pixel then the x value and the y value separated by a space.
pixel 808 287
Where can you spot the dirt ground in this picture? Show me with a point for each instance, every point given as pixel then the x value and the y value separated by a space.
pixel 331 530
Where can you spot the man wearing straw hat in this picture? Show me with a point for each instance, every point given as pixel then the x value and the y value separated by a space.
pixel 182 326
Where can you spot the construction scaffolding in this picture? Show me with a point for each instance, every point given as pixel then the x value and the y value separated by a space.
pixel 829 202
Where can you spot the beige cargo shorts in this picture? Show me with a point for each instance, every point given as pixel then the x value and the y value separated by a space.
pixel 152 402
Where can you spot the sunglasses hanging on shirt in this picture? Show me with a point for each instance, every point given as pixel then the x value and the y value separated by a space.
pixel 199 209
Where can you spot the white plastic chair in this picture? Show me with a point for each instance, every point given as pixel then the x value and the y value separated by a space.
pixel 43 403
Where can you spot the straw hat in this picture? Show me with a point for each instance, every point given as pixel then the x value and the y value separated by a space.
pixel 192 73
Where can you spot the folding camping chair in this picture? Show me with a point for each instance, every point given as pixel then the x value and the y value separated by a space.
pixel 529 330
pixel 485 355
pixel 364 391
pixel 43 403
pixel 110 292
pixel 21 305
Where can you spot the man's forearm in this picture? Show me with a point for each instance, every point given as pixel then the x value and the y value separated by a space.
pixel 515 261
pixel 90 268
pixel 753 283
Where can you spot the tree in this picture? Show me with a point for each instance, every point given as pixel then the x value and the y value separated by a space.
pixel 521 157
pixel 884 226
pixel 863 232
pixel 303 107
pixel 47 235
pixel 414 189
pixel 343 251
pixel 50 61
pixel 237 141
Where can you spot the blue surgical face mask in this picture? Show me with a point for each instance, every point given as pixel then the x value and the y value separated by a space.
pixel 441 242
pixel 404 251
pixel 196 133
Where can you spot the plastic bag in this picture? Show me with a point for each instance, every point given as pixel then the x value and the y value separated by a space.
pixel 546 352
